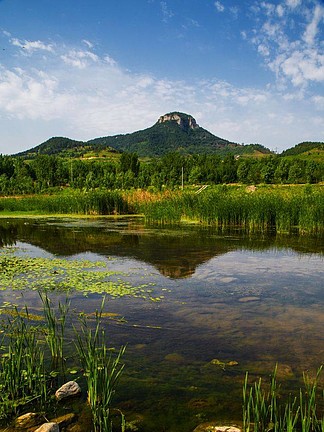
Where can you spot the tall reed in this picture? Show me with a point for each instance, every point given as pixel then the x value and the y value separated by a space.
pixel 55 327
pixel 264 410
pixel 85 203
pixel 102 372
pixel 23 377
pixel 277 209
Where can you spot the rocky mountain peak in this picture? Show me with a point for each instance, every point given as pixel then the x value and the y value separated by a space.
pixel 185 121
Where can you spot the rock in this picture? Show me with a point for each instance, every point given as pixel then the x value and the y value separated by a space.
pixel 174 357
pixel 219 363
pixel 64 420
pixel 48 427
pixel 248 299
pixel 212 427
pixel 232 363
pixel 185 121
pixel 28 420
pixel 68 389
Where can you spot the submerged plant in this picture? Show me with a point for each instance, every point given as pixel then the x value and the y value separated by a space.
pixel 102 372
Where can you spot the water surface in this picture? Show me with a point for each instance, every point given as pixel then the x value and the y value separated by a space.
pixel 251 300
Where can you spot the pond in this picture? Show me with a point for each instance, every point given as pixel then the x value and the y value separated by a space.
pixel 196 307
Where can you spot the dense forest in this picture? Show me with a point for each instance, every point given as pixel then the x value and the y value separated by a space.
pixel 49 172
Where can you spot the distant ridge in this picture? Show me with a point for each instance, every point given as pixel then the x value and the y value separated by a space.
pixel 173 131
pixel 303 147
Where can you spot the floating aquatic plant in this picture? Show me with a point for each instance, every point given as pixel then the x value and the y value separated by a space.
pixel 21 272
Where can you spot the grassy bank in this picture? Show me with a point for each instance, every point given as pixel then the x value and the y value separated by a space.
pixel 281 208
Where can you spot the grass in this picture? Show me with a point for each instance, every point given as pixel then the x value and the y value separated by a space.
pixel 102 371
pixel 265 410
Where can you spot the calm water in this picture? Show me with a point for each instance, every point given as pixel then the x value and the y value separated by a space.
pixel 252 300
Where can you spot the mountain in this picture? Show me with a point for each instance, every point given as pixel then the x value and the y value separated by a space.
pixel 172 132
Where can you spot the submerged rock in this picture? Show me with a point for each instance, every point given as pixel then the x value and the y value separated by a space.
pixel 212 427
pixel 68 389
pixel 48 427
pixel 175 358
pixel 28 420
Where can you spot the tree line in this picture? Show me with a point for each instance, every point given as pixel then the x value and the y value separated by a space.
pixel 45 172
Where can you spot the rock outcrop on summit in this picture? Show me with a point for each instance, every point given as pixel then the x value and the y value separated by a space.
pixel 185 121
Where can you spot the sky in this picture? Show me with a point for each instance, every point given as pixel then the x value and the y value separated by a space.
pixel 248 71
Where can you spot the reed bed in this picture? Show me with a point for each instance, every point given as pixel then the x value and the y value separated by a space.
pixel 83 203
pixel 283 210
pixel 264 409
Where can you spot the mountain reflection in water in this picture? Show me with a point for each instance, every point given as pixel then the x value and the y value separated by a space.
pixel 175 253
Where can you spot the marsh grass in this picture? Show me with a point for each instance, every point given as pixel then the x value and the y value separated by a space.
pixel 75 202
pixel 102 372
pixel 281 209
pixel 265 410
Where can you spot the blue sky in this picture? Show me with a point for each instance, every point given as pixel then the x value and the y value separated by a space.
pixel 249 71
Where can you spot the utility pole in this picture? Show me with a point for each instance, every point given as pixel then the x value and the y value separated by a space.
pixel 182 178
pixel 71 173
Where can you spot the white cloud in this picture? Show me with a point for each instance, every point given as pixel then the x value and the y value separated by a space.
pixel 98 97
pixel 219 6
pixel 280 10
pixel 88 43
pixel 312 28
pixel 31 46
pixel 295 53
pixel 166 12
pixel 293 3
pixel 79 59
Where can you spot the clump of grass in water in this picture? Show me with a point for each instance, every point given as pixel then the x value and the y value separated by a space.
pixel 23 377
pixel 55 327
pixel 102 372
pixel 263 412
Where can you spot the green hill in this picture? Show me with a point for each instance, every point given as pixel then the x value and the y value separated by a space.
pixel 65 147
pixel 304 147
